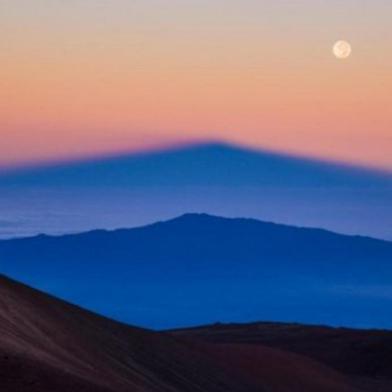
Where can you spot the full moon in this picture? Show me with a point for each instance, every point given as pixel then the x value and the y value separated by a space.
pixel 342 49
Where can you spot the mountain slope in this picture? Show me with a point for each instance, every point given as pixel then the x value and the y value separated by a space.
pixel 199 268
pixel 66 348
pixel 220 179
pixel 354 352
pixel 48 345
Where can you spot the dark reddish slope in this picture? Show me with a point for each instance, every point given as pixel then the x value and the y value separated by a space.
pixel 359 354
pixel 19 373
pixel 279 371
pixel 49 345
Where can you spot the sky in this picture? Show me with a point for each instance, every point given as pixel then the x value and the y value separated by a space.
pixel 88 77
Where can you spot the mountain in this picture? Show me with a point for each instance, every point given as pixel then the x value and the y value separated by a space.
pixel 199 269
pixel 352 352
pixel 50 345
pixel 140 188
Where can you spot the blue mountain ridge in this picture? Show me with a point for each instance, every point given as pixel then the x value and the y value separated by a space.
pixel 199 268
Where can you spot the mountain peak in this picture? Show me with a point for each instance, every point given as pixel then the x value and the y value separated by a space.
pixel 198 216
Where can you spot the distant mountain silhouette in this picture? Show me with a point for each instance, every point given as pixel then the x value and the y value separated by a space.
pixel 220 179
pixel 200 268
pixel 48 345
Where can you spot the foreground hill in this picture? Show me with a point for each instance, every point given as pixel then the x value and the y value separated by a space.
pixel 355 352
pixel 135 189
pixel 198 269
pixel 48 345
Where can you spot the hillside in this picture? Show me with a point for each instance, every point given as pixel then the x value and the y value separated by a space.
pixel 354 352
pixel 49 345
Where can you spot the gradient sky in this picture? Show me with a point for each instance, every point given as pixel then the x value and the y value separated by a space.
pixel 83 77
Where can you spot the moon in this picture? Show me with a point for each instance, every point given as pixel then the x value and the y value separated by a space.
pixel 342 49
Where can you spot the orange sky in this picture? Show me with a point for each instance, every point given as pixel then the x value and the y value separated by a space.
pixel 83 77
